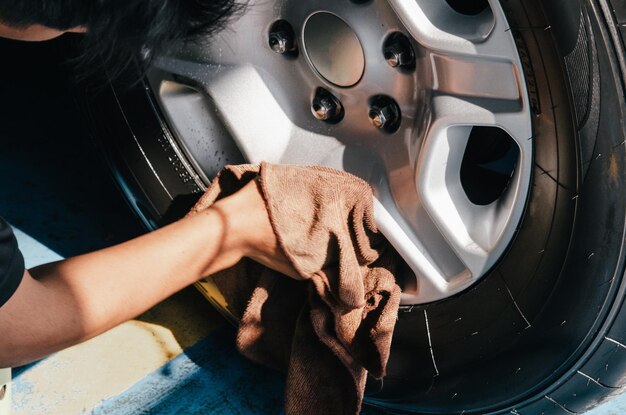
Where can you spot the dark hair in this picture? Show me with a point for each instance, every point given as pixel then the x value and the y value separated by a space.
pixel 119 31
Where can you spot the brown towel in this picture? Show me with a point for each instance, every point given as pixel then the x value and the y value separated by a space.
pixel 328 331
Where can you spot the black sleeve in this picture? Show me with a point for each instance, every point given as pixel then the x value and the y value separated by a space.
pixel 11 263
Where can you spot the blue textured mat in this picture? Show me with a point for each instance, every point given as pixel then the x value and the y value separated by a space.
pixel 210 377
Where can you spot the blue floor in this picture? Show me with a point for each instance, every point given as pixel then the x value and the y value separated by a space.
pixel 56 191
pixel 195 382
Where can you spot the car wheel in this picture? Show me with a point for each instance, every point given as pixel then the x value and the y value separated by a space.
pixel 492 134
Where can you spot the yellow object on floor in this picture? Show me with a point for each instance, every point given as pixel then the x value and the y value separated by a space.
pixel 77 379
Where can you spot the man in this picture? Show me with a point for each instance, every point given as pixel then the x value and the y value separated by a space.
pixel 56 305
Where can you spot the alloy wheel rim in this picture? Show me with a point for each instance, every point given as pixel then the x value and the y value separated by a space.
pixel 404 119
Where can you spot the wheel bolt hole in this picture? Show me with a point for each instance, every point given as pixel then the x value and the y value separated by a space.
pixel 490 159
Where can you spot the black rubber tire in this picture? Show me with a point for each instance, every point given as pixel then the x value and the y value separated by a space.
pixel 544 332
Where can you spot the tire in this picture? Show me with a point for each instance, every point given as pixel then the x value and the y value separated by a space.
pixel 545 331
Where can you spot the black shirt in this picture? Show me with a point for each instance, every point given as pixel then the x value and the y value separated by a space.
pixel 11 263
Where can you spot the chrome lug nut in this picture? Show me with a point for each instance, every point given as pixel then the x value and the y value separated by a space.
pixel 379 117
pixel 384 114
pixel 280 42
pixel 396 57
pixel 398 51
pixel 282 38
pixel 326 107
pixel 323 108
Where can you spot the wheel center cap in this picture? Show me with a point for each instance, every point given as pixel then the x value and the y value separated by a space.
pixel 333 49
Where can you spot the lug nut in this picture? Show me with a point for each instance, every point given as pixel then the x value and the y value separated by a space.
pixel 398 51
pixel 280 42
pixel 396 57
pixel 379 117
pixel 384 114
pixel 282 38
pixel 326 107
pixel 323 108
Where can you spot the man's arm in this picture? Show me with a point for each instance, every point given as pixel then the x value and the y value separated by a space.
pixel 66 302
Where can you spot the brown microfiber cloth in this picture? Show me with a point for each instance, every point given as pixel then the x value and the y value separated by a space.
pixel 327 331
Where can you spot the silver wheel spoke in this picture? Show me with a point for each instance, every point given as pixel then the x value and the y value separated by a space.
pixel 479 79
pixel 272 137
pixel 474 232
pixel 438 28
